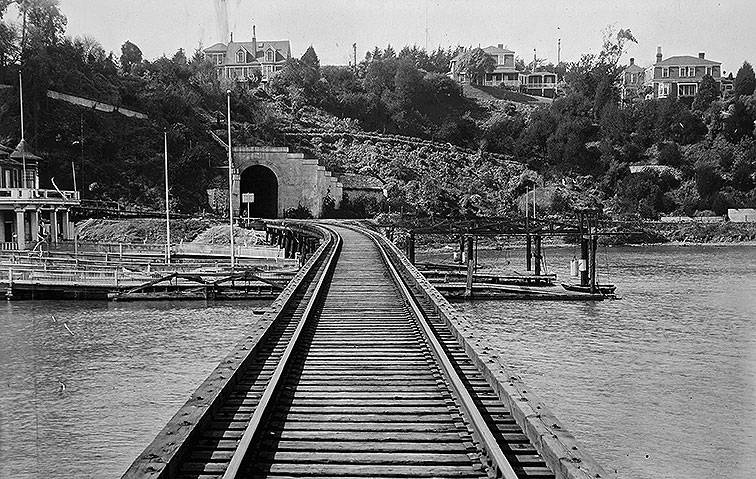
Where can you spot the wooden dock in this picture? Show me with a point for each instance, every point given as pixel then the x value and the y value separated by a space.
pixel 139 272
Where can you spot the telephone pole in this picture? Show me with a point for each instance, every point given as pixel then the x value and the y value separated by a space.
pixel 354 48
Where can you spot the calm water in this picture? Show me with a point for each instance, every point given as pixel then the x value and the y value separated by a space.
pixel 126 368
pixel 659 384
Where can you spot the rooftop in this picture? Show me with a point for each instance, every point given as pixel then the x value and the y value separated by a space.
pixel 686 60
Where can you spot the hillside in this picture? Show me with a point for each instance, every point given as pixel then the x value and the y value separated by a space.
pixel 442 149
pixel 486 94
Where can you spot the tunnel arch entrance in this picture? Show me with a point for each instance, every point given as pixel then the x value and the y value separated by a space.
pixel 261 181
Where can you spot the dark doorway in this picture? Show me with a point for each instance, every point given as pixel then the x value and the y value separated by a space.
pixel 261 181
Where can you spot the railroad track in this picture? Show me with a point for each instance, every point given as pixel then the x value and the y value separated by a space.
pixel 359 377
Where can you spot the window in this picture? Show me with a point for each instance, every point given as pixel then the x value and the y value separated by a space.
pixel 663 89
pixel 241 56
pixel 665 72
pixel 708 70
pixel 687 72
pixel 688 89
pixel 269 56
pixel 31 177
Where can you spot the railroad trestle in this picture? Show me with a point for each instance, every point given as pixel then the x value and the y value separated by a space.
pixel 361 369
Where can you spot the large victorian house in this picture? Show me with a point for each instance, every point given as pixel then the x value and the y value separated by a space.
pixel 504 72
pixel 680 76
pixel 243 61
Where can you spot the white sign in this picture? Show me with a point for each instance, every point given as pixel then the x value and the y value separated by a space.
pixel 248 197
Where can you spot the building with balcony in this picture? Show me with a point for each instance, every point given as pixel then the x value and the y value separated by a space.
pixel 244 61
pixel 539 84
pixel 503 74
pixel 28 213
pixel 680 76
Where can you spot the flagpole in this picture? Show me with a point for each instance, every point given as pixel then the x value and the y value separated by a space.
pixel 167 210
pixel 230 179
pixel 23 149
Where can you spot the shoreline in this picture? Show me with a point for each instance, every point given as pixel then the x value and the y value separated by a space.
pixel 451 247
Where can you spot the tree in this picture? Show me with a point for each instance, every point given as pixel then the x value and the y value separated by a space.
pixel 476 63
pixel 745 80
pixel 43 23
pixel 708 91
pixel 8 49
pixel 597 76
pixel 310 58
pixel 130 55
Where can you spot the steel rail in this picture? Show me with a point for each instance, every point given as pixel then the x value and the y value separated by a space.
pixel 272 387
pixel 502 466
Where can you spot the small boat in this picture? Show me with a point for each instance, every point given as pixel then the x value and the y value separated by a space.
pixel 602 288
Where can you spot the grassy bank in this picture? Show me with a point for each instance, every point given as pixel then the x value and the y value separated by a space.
pixel 142 230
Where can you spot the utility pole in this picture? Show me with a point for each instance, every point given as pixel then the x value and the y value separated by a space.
pixel 167 205
pixel 81 141
pixel 559 51
pixel 230 180
pixel 23 142
pixel 354 48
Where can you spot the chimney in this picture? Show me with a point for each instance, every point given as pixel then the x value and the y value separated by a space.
pixel 254 41
pixel 632 61
pixel 702 55
pixel 501 45
pixel 232 37
pixel 658 54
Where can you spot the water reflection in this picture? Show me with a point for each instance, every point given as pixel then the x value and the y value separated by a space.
pixel 86 385
pixel 659 384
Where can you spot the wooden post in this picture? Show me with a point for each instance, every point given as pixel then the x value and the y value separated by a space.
pixel 583 261
pixel 528 253
pixel 461 249
pixel 411 247
pixel 470 268
pixel 594 247
pixel 9 291
pixel 537 254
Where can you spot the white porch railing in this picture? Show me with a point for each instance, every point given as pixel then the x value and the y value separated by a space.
pixel 539 85
pixel 9 246
pixel 509 83
pixel 16 194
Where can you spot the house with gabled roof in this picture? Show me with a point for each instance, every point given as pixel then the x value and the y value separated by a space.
pixel 504 73
pixel 243 61
pixel 680 76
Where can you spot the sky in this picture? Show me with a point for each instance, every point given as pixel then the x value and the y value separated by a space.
pixel 722 29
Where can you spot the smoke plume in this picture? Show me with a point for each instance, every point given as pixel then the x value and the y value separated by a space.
pixel 221 19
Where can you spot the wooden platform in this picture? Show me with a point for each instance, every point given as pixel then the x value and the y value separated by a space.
pixel 456 290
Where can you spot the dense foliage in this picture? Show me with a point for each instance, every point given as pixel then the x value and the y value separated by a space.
pixel 579 148
pixel 122 158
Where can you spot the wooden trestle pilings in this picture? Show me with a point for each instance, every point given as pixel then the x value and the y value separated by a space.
pixel 360 369
pixel 293 241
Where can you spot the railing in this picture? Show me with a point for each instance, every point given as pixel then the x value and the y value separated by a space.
pixel 241 251
pixel 9 246
pixel 509 83
pixel 95 278
pixel 38 194
pixel 540 85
